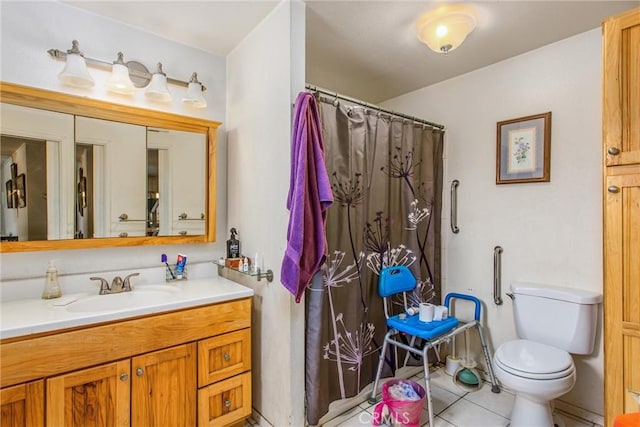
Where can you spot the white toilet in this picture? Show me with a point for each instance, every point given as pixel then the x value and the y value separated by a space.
pixel 552 322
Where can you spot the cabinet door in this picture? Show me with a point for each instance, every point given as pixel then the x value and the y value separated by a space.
pixel 621 86
pixel 225 402
pixel 23 405
pixel 622 294
pixel 91 397
pixel 164 388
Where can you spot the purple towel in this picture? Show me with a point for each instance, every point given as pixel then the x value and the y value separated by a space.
pixel 309 198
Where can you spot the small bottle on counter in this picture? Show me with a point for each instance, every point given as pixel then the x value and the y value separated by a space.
pixel 51 285
pixel 245 264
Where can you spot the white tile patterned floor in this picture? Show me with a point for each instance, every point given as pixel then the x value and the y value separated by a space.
pixel 453 407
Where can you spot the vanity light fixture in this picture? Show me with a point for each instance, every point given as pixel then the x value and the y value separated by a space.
pixel 75 71
pixel 157 89
pixel 444 29
pixel 194 93
pixel 120 82
pixel 126 77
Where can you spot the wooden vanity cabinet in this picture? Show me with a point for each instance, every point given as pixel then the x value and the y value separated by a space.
pixel 22 405
pixel 183 368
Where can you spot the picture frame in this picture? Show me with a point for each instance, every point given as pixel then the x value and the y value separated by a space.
pixel 21 191
pixel 9 190
pixel 523 149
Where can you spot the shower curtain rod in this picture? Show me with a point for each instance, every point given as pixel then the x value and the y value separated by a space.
pixel 313 88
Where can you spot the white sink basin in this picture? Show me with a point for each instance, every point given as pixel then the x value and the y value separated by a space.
pixel 142 296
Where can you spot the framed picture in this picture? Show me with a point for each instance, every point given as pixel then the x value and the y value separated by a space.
pixel 9 189
pixel 523 149
pixel 21 191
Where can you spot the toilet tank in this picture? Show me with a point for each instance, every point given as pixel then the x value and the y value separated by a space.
pixel 562 317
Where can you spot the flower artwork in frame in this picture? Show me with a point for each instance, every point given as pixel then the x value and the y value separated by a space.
pixel 524 149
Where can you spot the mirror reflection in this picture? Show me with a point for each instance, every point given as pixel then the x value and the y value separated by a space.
pixel 21 158
pixel 128 180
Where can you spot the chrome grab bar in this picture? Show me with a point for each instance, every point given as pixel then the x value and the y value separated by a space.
pixel 497 275
pixel 454 206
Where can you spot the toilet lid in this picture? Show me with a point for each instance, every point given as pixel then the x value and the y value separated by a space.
pixel 534 360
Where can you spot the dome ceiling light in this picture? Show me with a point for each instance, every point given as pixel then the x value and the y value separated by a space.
pixel 444 29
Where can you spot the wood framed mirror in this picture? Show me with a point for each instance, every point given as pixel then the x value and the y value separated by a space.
pixel 107 175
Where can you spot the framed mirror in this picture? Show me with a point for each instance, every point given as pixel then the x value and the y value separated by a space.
pixel 82 173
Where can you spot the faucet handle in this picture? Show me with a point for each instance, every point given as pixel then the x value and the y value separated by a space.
pixel 127 283
pixel 104 285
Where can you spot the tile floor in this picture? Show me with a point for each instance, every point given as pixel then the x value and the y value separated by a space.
pixel 454 407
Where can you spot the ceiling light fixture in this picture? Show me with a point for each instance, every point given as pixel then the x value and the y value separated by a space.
pixel 444 29
pixel 120 82
pixel 126 77
pixel 75 71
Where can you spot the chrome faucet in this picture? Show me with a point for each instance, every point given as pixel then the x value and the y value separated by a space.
pixel 118 285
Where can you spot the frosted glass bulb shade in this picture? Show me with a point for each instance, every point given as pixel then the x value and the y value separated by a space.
pixel 75 72
pixel 158 90
pixel 445 31
pixel 194 96
pixel 120 82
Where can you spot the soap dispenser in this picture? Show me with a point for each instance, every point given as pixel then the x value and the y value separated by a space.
pixel 51 285
pixel 233 245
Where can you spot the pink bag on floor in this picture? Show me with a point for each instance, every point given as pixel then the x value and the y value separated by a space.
pixel 404 412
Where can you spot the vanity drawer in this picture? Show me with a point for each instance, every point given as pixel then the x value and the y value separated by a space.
pixel 224 356
pixel 225 402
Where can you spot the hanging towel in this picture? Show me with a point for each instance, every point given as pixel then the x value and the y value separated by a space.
pixel 309 198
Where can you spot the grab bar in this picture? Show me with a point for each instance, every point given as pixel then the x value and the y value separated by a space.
pixel 497 275
pixel 454 206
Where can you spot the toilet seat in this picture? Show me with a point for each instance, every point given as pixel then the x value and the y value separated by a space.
pixel 532 360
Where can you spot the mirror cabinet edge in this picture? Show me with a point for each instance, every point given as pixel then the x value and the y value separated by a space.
pixel 26 96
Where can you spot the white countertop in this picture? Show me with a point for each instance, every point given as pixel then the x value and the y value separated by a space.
pixel 35 315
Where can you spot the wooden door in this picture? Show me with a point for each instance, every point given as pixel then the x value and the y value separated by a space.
pixel 622 294
pixel 164 388
pixel 91 397
pixel 621 89
pixel 22 405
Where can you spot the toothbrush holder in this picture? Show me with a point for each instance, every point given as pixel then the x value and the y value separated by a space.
pixel 169 277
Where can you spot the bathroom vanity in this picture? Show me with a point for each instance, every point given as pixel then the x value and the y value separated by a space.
pixel 181 359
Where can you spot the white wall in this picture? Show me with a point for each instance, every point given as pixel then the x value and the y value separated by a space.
pixel 28 30
pixel 550 232
pixel 264 73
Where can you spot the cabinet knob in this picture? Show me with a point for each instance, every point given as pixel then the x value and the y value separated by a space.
pixel 614 151
pixel 226 357
pixel 613 189
pixel 139 372
pixel 227 403
pixel 636 395
pixel 124 377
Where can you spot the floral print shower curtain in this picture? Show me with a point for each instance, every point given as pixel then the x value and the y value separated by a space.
pixel 386 177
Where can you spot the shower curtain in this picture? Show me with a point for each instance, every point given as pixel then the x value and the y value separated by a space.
pixel 386 178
